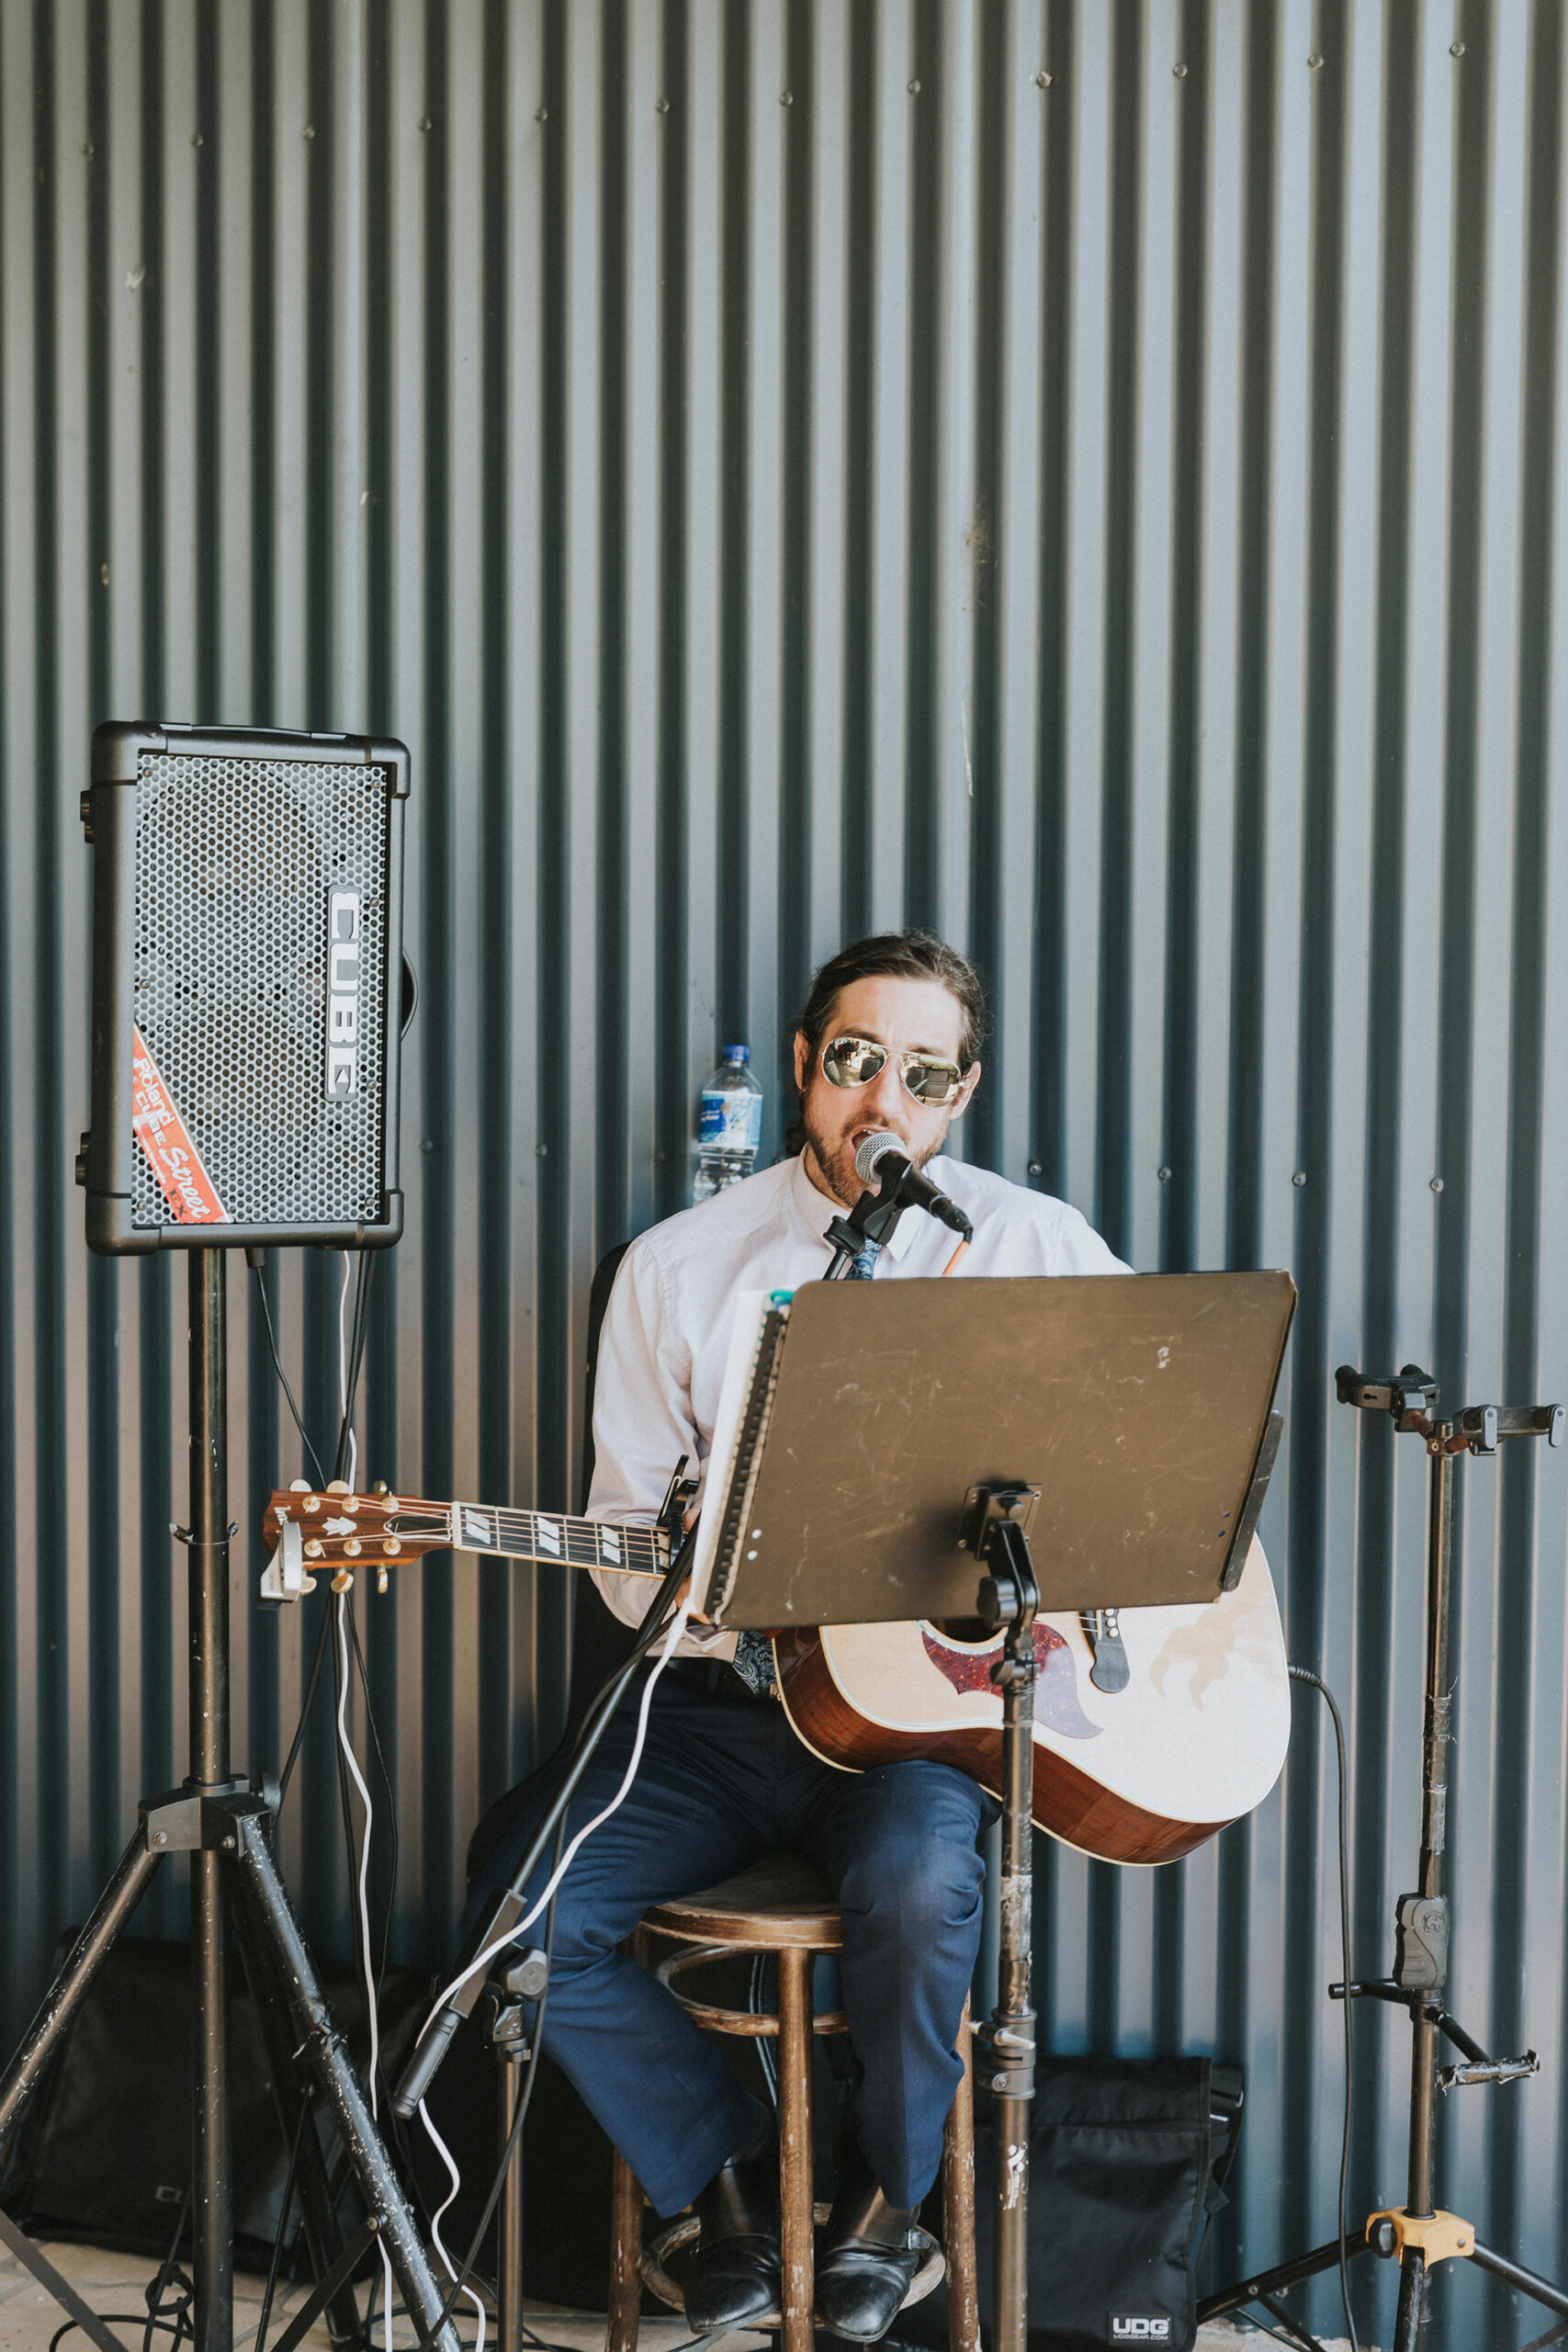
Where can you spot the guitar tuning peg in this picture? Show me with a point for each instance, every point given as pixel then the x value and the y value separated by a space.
pixel 379 1487
pixel 380 1579
pixel 343 1580
pixel 299 1486
pixel 339 1486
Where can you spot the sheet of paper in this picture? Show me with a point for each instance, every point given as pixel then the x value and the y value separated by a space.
pixel 751 1306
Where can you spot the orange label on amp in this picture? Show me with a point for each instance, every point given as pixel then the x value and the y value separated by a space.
pixel 171 1155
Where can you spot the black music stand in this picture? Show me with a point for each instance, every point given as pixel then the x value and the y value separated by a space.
pixel 1087 1442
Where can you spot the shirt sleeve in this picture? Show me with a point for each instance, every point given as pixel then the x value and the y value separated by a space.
pixel 642 1425
pixel 1079 1250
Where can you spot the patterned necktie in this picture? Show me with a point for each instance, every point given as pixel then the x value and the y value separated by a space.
pixel 865 1266
pixel 754 1664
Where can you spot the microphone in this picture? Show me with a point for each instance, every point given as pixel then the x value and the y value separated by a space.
pixel 881 1160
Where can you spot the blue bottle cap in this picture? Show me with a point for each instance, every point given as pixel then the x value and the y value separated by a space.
pixel 737 1053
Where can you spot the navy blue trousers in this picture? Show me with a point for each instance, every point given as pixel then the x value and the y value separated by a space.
pixel 722 1779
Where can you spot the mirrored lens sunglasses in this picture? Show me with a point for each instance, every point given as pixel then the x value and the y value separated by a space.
pixel 855 1061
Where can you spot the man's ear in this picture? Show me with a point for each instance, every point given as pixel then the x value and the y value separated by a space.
pixel 965 1091
pixel 802 1060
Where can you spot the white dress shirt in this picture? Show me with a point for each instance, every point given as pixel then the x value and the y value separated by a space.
pixel 666 1335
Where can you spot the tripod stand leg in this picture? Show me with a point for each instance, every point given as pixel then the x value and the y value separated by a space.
pixel 323 2238
pixel 212 2219
pixel 270 1921
pixel 1522 2281
pixel 1410 2319
pixel 65 1995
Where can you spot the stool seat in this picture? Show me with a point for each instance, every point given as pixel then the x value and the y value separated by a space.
pixel 777 1904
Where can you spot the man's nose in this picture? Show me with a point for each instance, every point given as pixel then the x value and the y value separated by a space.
pixel 883 1095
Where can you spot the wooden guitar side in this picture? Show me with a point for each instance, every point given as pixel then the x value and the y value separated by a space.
pixel 1235 1711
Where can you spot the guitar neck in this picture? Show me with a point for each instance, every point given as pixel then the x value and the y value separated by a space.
pixel 552 1537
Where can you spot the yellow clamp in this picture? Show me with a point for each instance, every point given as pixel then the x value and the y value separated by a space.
pixel 1442 2237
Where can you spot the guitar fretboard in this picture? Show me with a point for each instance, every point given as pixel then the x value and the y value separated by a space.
pixel 544 1536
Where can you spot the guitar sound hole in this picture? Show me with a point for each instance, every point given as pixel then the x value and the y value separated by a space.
pixel 968 1630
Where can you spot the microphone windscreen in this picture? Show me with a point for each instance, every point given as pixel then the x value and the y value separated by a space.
pixel 871 1150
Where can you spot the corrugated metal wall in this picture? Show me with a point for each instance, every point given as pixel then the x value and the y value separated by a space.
pixel 1083 476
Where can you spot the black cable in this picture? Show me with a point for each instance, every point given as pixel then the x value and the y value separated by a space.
pixel 358 1327
pixel 169 2271
pixel 287 1772
pixel 277 1367
pixel 290 2182
pixel 179 2327
pixel 1304 1674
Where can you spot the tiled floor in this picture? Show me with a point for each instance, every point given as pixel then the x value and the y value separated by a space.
pixel 115 2282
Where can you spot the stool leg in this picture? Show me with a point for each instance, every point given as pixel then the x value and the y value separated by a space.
pixel 958 2206
pixel 625 2257
pixel 795 2148
pixel 625 2230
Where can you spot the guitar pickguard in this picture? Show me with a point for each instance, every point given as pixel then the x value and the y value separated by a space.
pixel 1055 1691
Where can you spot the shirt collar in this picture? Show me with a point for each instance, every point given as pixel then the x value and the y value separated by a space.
pixel 818 1211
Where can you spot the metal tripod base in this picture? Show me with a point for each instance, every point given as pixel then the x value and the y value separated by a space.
pixel 227 1831
pixel 1265 2285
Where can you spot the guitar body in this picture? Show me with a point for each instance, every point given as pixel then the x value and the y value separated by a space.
pixel 1143 1775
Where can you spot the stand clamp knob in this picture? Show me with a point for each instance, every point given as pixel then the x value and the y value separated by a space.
pixel 1007 2057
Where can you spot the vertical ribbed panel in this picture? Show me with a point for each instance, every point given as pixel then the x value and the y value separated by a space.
pixel 1086 476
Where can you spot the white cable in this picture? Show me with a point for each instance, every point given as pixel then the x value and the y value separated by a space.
pixel 346 1747
pixel 342 1366
pixel 445 2153
pixel 677 1627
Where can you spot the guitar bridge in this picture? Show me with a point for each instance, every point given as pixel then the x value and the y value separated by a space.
pixel 1103 1628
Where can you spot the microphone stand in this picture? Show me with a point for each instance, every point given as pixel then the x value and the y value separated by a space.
pixel 996 1534
pixel 871 1220
pixel 874 1217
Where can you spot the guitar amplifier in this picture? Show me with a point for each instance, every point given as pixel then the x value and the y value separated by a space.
pixel 247 980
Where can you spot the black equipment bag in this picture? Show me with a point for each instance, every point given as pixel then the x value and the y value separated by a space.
pixel 1126 2156
pixel 103 2148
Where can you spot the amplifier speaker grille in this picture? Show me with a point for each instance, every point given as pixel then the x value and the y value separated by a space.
pixel 235 861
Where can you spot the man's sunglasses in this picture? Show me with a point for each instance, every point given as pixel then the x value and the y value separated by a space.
pixel 855 1061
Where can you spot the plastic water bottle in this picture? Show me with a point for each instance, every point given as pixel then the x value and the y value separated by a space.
pixel 730 1127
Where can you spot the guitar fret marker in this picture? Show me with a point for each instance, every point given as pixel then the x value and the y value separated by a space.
pixel 549 1536
pixel 610 1547
pixel 476 1531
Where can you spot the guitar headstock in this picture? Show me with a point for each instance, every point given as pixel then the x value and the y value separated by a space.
pixel 310 1531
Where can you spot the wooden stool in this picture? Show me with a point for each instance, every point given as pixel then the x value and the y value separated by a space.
pixel 780 1906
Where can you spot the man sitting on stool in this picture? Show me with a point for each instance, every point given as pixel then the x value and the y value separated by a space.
pixel 889 1040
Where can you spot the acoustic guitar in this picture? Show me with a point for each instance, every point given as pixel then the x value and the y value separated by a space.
pixel 1154 1728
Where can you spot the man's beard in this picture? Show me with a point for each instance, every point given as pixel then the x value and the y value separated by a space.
pixel 836 1162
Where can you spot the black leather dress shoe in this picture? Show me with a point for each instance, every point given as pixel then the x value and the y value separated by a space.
pixel 736 2278
pixel 868 2256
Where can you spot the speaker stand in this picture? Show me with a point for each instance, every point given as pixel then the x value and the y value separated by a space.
pixel 222 1824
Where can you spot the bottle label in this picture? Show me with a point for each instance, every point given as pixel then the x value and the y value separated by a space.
pixel 730 1122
